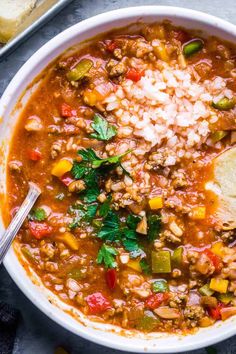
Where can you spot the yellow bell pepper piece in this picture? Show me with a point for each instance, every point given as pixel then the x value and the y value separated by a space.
pixel 135 265
pixel 226 298
pixel 198 213
pixel 161 52
pixel 90 97
pixel 69 239
pixel 218 248
pixel 61 167
pixel 156 203
pixel 219 285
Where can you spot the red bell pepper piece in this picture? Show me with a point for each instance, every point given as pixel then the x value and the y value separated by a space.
pixel 34 155
pixel 216 260
pixel 214 312
pixel 111 278
pixel 155 300
pixel 40 229
pixel 67 179
pixel 67 111
pixel 97 303
pixel 134 75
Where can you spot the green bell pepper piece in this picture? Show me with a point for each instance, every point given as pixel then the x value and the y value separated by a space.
pixel 205 290
pixel 192 47
pixel 225 104
pixel 148 322
pixel 81 69
pixel 161 262
pixel 160 286
pixel 177 257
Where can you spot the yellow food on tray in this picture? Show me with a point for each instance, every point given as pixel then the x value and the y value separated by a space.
pixel 12 14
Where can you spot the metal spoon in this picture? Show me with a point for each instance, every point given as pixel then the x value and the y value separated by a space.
pixel 16 223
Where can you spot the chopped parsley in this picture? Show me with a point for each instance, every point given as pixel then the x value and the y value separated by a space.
pixel 105 207
pixel 82 214
pixel 145 266
pixel 132 221
pixel 107 255
pixel 114 230
pixel 154 226
pixel 93 161
pixel 90 212
pixel 111 227
pixel 90 170
pixel 79 170
pixel 37 214
pixel 92 183
pixel 103 130
pixel 132 246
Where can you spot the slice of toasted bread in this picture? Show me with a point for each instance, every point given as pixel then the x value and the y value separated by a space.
pixel 12 13
pixel 224 186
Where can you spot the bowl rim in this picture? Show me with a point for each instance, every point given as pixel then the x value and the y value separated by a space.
pixel 129 13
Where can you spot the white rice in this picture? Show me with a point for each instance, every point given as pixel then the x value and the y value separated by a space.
pixel 167 105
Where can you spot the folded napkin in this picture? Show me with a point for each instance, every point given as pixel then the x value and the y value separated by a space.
pixel 8 324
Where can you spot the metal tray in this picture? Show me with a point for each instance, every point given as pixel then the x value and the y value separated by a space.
pixel 49 10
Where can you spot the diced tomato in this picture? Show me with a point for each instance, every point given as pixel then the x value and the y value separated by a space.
pixel 134 75
pixel 97 303
pixel 40 229
pixel 67 179
pixel 67 111
pixel 111 278
pixel 155 300
pixel 214 312
pixel 34 155
pixel 111 46
pixel 216 260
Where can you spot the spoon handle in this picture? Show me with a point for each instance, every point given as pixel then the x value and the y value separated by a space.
pixel 16 223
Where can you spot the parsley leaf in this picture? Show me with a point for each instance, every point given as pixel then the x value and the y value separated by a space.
pixel 145 266
pixel 131 246
pixel 107 255
pixel 89 175
pixel 92 191
pixel 105 207
pixel 104 130
pixel 88 155
pixel 95 161
pixel 132 221
pixel 90 170
pixel 110 229
pixel 82 214
pixel 37 214
pixel 154 226
pixel 91 194
pixel 79 212
pixel 114 231
pixel 79 169
pixel 90 212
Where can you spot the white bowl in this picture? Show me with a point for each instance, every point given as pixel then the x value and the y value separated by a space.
pixel 31 286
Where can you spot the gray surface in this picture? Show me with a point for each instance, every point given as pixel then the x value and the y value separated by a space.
pixel 37 334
